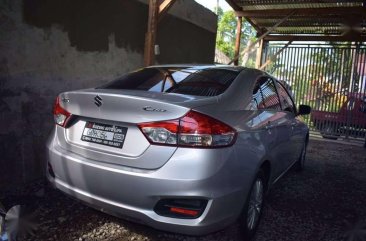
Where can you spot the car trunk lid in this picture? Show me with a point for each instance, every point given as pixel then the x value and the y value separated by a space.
pixel 121 110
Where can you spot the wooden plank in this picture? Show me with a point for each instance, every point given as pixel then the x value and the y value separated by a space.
pixel 234 5
pixel 164 8
pixel 255 25
pixel 258 60
pixel 239 24
pixel 150 37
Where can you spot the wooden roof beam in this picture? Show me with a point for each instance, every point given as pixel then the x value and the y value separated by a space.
pixel 233 5
pixel 164 8
pixel 269 30
pixel 332 11
pixel 236 7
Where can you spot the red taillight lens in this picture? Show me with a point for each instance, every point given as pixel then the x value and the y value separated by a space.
pixel 193 129
pixel 60 115
pixel 197 129
pixel 164 132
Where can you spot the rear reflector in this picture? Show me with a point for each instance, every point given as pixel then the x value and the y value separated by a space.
pixel 184 211
pixel 194 129
pixel 181 208
pixel 60 115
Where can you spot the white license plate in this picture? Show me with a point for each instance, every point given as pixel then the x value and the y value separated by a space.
pixel 109 135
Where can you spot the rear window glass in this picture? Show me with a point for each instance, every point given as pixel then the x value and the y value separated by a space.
pixel 189 81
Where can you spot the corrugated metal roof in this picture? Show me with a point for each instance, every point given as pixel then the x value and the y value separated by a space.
pixel 323 17
pixel 274 4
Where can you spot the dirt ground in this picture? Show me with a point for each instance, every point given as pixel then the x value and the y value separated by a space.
pixel 325 202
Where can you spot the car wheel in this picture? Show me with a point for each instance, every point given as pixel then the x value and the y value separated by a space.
pixel 328 132
pixel 252 210
pixel 300 164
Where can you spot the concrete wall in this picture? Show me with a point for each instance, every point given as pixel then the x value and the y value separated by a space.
pixel 47 47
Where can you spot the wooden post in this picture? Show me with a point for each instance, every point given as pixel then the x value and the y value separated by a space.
pixel 156 13
pixel 150 37
pixel 258 60
pixel 237 40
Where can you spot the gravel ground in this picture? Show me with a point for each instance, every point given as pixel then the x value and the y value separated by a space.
pixel 326 202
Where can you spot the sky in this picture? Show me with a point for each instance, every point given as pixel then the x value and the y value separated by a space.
pixel 211 4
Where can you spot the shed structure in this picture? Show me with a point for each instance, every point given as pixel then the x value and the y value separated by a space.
pixel 304 20
pixel 317 48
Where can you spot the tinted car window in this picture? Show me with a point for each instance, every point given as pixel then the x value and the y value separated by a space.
pixel 265 95
pixel 144 79
pixel 258 100
pixel 287 103
pixel 208 82
pixel 201 82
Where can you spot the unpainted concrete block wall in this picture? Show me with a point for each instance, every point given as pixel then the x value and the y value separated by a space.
pixel 47 47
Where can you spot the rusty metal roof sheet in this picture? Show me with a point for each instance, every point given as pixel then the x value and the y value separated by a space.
pixel 327 18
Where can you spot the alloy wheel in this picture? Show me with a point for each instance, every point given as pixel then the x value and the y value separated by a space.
pixel 255 204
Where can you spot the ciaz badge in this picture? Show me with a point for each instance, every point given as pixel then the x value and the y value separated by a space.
pixel 149 108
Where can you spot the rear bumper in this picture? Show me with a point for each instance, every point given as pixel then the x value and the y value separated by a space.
pixel 133 193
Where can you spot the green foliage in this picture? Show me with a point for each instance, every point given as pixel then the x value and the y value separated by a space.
pixel 226 32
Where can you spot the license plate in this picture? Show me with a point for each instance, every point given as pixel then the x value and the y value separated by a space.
pixel 108 135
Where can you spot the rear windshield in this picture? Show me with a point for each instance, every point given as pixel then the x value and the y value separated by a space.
pixel 189 81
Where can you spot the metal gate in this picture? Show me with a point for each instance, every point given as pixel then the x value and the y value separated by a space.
pixel 330 78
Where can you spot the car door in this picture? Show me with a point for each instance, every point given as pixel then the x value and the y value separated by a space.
pixel 292 122
pixel 275 132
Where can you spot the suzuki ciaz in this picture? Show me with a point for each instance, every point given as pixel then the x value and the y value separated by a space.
pixel 186 149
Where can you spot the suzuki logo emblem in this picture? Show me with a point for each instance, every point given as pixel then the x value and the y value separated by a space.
pixel 98 100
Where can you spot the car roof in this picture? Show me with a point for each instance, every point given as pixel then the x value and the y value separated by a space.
pixel 199 66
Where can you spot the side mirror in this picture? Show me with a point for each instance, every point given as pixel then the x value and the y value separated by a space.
pixel 304 110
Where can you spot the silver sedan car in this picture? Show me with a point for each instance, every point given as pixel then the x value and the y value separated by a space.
pixel 186 149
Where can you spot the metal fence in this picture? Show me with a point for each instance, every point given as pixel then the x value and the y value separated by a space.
pixel 331 78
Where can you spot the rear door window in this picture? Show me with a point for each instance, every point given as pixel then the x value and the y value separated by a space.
pixel 265 94
pixel 286 101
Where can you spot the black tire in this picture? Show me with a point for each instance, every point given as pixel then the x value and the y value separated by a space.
pixel 328 131
pixel 248 231
pixel 300 164
pixel 330 137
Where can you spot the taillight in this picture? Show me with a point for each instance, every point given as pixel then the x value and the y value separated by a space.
pixel 193 129
pixel 60 115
